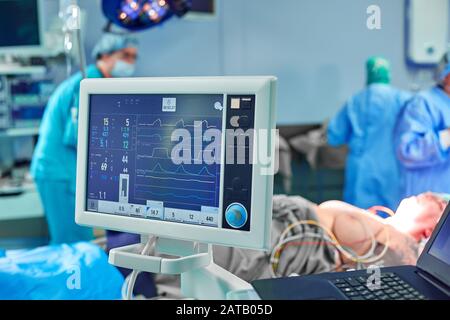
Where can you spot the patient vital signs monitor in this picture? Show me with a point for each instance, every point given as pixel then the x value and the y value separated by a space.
pixel 184 158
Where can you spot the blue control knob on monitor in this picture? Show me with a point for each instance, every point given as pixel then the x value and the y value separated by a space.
pixel 236 215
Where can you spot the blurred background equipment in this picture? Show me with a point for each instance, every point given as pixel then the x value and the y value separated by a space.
pixel 25 87
pixel 28 98
pixel 427 40
pixel 23 20
pixel 24 92
pixel 203 6
pixel 203 10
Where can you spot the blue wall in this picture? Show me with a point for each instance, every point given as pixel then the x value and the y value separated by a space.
pixel 317 48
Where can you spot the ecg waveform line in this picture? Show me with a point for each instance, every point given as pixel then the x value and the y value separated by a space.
pixel 198 157
pixel 175 179
pixel 184 125
pixel 202 173
pixel 183 189
pixel 164 150
pixel 158 136
pixel 151 144
pixel 175 195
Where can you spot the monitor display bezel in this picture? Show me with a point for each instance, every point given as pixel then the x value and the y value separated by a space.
pixel 262 189
pixel 431 264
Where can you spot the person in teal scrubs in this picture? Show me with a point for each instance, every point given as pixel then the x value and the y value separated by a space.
pixel 54 161
pixel 366 123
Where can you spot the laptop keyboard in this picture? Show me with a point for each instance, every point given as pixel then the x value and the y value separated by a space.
pixel 391 288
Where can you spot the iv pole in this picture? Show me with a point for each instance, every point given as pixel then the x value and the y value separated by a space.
pixel 70 14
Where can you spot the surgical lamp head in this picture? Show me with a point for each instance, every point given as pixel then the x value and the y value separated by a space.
pixel 136 15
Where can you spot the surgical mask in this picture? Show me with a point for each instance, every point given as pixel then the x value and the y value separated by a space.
pixel 123 69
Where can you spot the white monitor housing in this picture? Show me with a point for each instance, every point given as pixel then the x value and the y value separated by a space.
pixel 178 158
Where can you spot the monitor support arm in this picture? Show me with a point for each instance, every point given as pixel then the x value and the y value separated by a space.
pixel 201 278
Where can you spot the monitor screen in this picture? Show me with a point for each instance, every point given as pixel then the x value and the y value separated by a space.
pixel 21 19
pixel 156 156
pixel 440 248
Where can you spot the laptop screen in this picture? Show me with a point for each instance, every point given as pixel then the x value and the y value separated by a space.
pixel 440 249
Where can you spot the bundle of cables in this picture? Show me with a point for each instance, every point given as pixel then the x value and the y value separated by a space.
pixel 130 280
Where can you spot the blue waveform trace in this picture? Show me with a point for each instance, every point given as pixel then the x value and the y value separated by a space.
pixel 203 172
pixel 184 125
pixel 165 153
pixel 181 168
pixel 158 136
pixel 165 150
pixel 175 179
pixel 171 194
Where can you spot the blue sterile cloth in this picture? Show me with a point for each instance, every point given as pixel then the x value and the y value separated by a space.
pixel 67 272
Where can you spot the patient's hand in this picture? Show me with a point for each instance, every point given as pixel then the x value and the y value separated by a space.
pixel 417 216
pixel 403 249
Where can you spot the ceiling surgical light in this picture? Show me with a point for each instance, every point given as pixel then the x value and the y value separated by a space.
pixel 136 15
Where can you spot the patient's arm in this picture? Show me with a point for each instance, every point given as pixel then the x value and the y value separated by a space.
pixel 353 227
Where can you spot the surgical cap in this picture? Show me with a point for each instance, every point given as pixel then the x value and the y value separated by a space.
pixel 111 42
pixel 378 70
pixel 443 69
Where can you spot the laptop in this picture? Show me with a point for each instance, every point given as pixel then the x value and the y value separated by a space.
pixel 428 280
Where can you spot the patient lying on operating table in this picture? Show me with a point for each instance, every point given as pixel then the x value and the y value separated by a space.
pixel 334 236
pixel 309 238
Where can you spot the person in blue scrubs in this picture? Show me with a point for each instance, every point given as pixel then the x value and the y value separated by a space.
pixel 423 137
pixel 366 123
pixel 54 161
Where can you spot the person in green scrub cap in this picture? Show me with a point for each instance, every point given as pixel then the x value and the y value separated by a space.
pixel 366 123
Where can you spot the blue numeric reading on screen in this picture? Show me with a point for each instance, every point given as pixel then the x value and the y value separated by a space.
pixel 156 156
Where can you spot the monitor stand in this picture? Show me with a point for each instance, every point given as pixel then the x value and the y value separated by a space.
pixel 201 278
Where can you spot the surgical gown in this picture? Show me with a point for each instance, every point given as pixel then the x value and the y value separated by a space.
pixel 54 161
pixel 366 123
pixel 425 162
